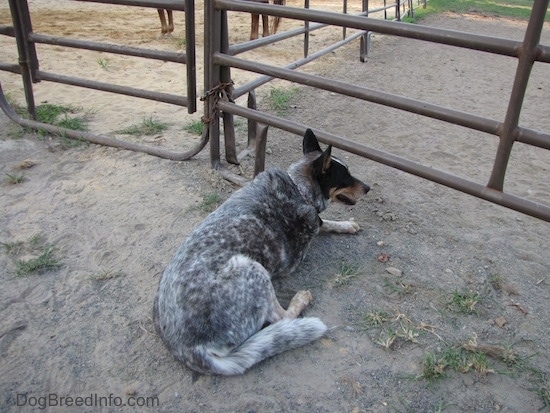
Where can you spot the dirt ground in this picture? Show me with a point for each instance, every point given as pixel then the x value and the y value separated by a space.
pixel 439 304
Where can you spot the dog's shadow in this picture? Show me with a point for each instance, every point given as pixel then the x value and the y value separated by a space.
pixel 325 256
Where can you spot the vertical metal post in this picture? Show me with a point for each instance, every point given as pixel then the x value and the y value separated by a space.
pixel 345 11
pixel 527 53
pixel 212 33
pixel 27 58
pixel 364 44
pixel 191 65
pixel 251 104
pixel 306 33
pixel 225 77
pixel 398 10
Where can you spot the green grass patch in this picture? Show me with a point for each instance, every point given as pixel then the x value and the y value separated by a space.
pixel 347 273
pixel 209 202
pixel 14 179
pixel 42 256
pixel 195 127
pixel 103 63
pixel 44 262
pixel 541 387
pixel 13 248
pixel 463 301
pixel 455 359
pixel 279 98
pixel 149 126
pixel 61 116
pixel 515 9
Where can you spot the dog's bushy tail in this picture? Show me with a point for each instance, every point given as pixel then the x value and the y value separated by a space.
pixel 276 338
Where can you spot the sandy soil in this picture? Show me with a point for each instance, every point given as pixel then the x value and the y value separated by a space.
pixel 115 218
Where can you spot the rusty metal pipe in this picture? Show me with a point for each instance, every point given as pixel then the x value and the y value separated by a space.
pixel 436 35
pixel 108 87
pixel 532 208
pixel 109 48
pixel 527 55
pixel 399 102
pixel 157 4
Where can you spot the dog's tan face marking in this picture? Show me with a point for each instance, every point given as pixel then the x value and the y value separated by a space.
pixel 348 195
pixel 342 186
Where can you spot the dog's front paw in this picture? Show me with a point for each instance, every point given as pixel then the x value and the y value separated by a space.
pixel 341 227
pixel 353 226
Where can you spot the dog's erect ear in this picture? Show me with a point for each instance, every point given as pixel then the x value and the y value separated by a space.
pixel 322 163
pixel 311 144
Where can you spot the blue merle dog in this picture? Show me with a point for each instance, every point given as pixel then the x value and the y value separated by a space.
pixel 216 308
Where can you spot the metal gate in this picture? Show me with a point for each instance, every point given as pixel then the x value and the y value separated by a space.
pixel 222 57
pixel 29 69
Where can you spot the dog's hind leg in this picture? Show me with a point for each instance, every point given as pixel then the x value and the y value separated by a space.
pixel 295 308
pixel 240 302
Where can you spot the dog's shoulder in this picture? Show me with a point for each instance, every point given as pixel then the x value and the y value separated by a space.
pixel 271 192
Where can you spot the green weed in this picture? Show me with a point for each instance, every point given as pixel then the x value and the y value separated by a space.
pixel 44 255
pixel 103 63
pixel 15 179
pixel 279 99
pixel 13 248
pixel 195 127
pixel 463 302
pixel 210 202
pixel 516 9
pixel 346 273
pixel 45 261
pixel 148 126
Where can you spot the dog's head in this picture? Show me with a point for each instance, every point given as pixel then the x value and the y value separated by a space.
pixel 332 174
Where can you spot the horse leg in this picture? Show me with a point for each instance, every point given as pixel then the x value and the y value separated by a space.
pixel 170 20
pixel 255 27
pixel 265 25
pixel 163 24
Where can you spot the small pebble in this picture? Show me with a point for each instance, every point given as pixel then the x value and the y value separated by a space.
pixel 394 271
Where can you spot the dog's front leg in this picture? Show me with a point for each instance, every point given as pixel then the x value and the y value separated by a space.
pixel 340 227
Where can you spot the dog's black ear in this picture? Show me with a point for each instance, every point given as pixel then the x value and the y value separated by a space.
pixel 311 144
pixel 322 163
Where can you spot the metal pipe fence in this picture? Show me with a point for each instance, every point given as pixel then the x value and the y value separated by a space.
pixel 29 69
pixel 527 52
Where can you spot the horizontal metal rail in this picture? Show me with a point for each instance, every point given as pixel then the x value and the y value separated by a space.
pixel 456 117
pixel 263 41
pixel 157 4
pixel 253 44
pixel 482 43
pixel 108 87
pixel 100 139
pixel 7 30
pixel 525 206
pixel 8 67
pixel 109 48
pixel 241 90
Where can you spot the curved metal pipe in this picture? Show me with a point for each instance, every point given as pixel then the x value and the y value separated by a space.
pixel 102 140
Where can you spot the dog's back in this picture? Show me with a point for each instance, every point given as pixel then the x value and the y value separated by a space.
pixel 216 294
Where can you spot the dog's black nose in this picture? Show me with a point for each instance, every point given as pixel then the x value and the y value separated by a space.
pixel 366 188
